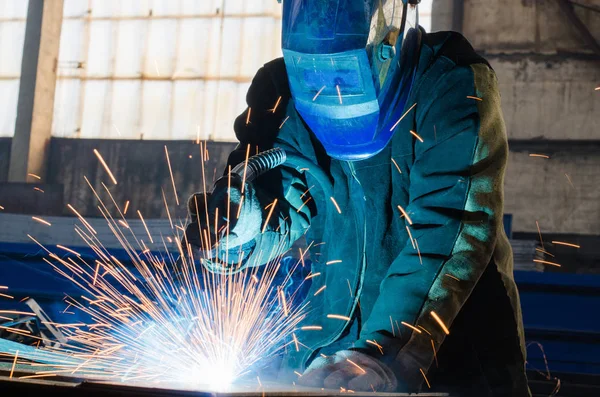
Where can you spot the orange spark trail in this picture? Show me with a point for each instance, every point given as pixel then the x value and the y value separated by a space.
pixel 318 93
pixel 425 377
pixel 338 317
pixel 337 87
pixel 12 370
pixel 248 117
pixel 171 173
pixel 145 227
pixel 356 365
pixel 417 136
pixel 417 330
pixel 440 322
pixel 337 207
pixel 40 220
pixel 544 156
pixel 397 166
pixel 403 116
pixel 311 328
pixel 276 105
pixel 567 244
pixel 284 121
pixel 405 215
pixel 110 174
pixel 546 262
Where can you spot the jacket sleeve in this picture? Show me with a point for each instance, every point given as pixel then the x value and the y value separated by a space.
pixel 258 129
pixel 454 214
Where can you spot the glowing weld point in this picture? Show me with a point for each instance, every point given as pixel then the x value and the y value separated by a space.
pixel 566 244
pixel 544 156
pixel 417 330
pixel 110 174
pixel 417 136
pixel 40 220
pixel 440 322
pixel 546 262
pixel 338 317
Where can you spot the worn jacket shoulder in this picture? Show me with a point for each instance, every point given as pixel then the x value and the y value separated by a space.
pixel 453 46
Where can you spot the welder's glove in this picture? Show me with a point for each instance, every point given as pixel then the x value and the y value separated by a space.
pixel 351 370
pixel 218 215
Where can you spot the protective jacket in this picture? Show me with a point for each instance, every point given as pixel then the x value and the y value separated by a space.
pixel 411 243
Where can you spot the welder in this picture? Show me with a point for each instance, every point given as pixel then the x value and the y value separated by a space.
pixel 412 286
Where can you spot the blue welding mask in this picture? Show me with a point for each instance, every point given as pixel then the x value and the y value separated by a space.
pixel 351 66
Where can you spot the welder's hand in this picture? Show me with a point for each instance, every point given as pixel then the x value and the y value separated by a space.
pixel 351 370
pixel 226 216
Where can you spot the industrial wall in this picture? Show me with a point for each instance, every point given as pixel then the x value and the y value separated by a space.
pixel 548 68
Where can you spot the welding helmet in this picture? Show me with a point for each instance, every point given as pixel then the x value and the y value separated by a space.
pixel 351 66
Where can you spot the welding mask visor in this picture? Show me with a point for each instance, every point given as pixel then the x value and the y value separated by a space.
pixel 350 66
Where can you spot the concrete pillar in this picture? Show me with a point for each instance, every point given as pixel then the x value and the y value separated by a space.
pixel 36 91
pixel 447 15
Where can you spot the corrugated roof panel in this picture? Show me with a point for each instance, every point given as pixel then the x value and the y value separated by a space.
pixel 8 104
pixel 260 44
pixel 196 46
pixel 99 55
pixel 231 48
pixel 189 107
pixel 156 109
pixel 160 48
pixel 71 52
pixel 13 8
pixel 130 44
pixel 125 110
pixel 12 35
pixel 94 113
pixel 204 7
pixel 227 97
pixel 131 8
pixel 75 8
pixel 67 103
pixel 165 8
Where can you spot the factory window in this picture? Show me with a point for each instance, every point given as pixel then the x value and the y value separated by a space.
pixel 149 69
